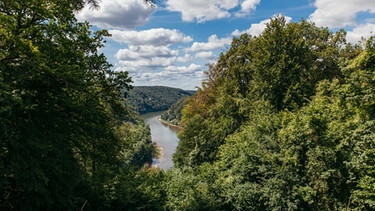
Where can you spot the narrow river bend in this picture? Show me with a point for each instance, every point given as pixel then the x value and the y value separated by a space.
pixel 165 136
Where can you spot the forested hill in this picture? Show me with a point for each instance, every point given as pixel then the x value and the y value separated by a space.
pixel 145 99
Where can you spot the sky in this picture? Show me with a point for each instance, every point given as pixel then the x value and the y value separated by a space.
pixel 171 42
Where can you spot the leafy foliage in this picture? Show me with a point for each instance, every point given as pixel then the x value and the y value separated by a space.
pixel 137 147
pixel 62 138
pixel 284 121
pixel 282 66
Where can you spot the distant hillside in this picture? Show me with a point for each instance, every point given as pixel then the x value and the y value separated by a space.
pixel 174 113
pixel 145 99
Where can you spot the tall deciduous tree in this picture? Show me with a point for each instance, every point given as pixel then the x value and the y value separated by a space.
pixel 59 104
pixel 283 65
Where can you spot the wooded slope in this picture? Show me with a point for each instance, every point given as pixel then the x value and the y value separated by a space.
pixel 145 99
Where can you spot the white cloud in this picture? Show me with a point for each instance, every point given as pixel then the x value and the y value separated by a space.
pixel 141 60
pixel 145 52
pixel 214 43
pixel 186 77
pixel 204 55
pixel 149 49
pixel 361 31
pixel 341 13
pixel 146 57
pixel 201 11
pixel 257 28
pixel 156 37
pixel 152 58
pixel 186 58
pixel 192 68
pixel 117 14
pixel 246 7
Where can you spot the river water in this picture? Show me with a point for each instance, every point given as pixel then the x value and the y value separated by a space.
pixel 165 136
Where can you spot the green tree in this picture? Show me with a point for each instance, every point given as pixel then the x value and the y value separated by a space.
pixel 189 189
pixel 283 65
pixel 247 163
pixel 135 190
pixel 317 157
pixel 360 89
pixel 284 121
pixel 59 106
pixel 137 148
pixel 291 59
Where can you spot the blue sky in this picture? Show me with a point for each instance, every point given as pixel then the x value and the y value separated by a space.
pixel 170 43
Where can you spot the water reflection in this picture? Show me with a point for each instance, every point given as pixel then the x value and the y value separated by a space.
pixel 165 136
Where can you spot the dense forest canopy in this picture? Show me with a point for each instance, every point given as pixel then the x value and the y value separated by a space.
pixel 281 67
pixel 284 121
pixel 146 99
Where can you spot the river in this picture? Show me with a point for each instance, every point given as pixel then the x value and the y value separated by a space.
pixel 165 136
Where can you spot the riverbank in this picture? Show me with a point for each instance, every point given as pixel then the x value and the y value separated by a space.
pixel 170 124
